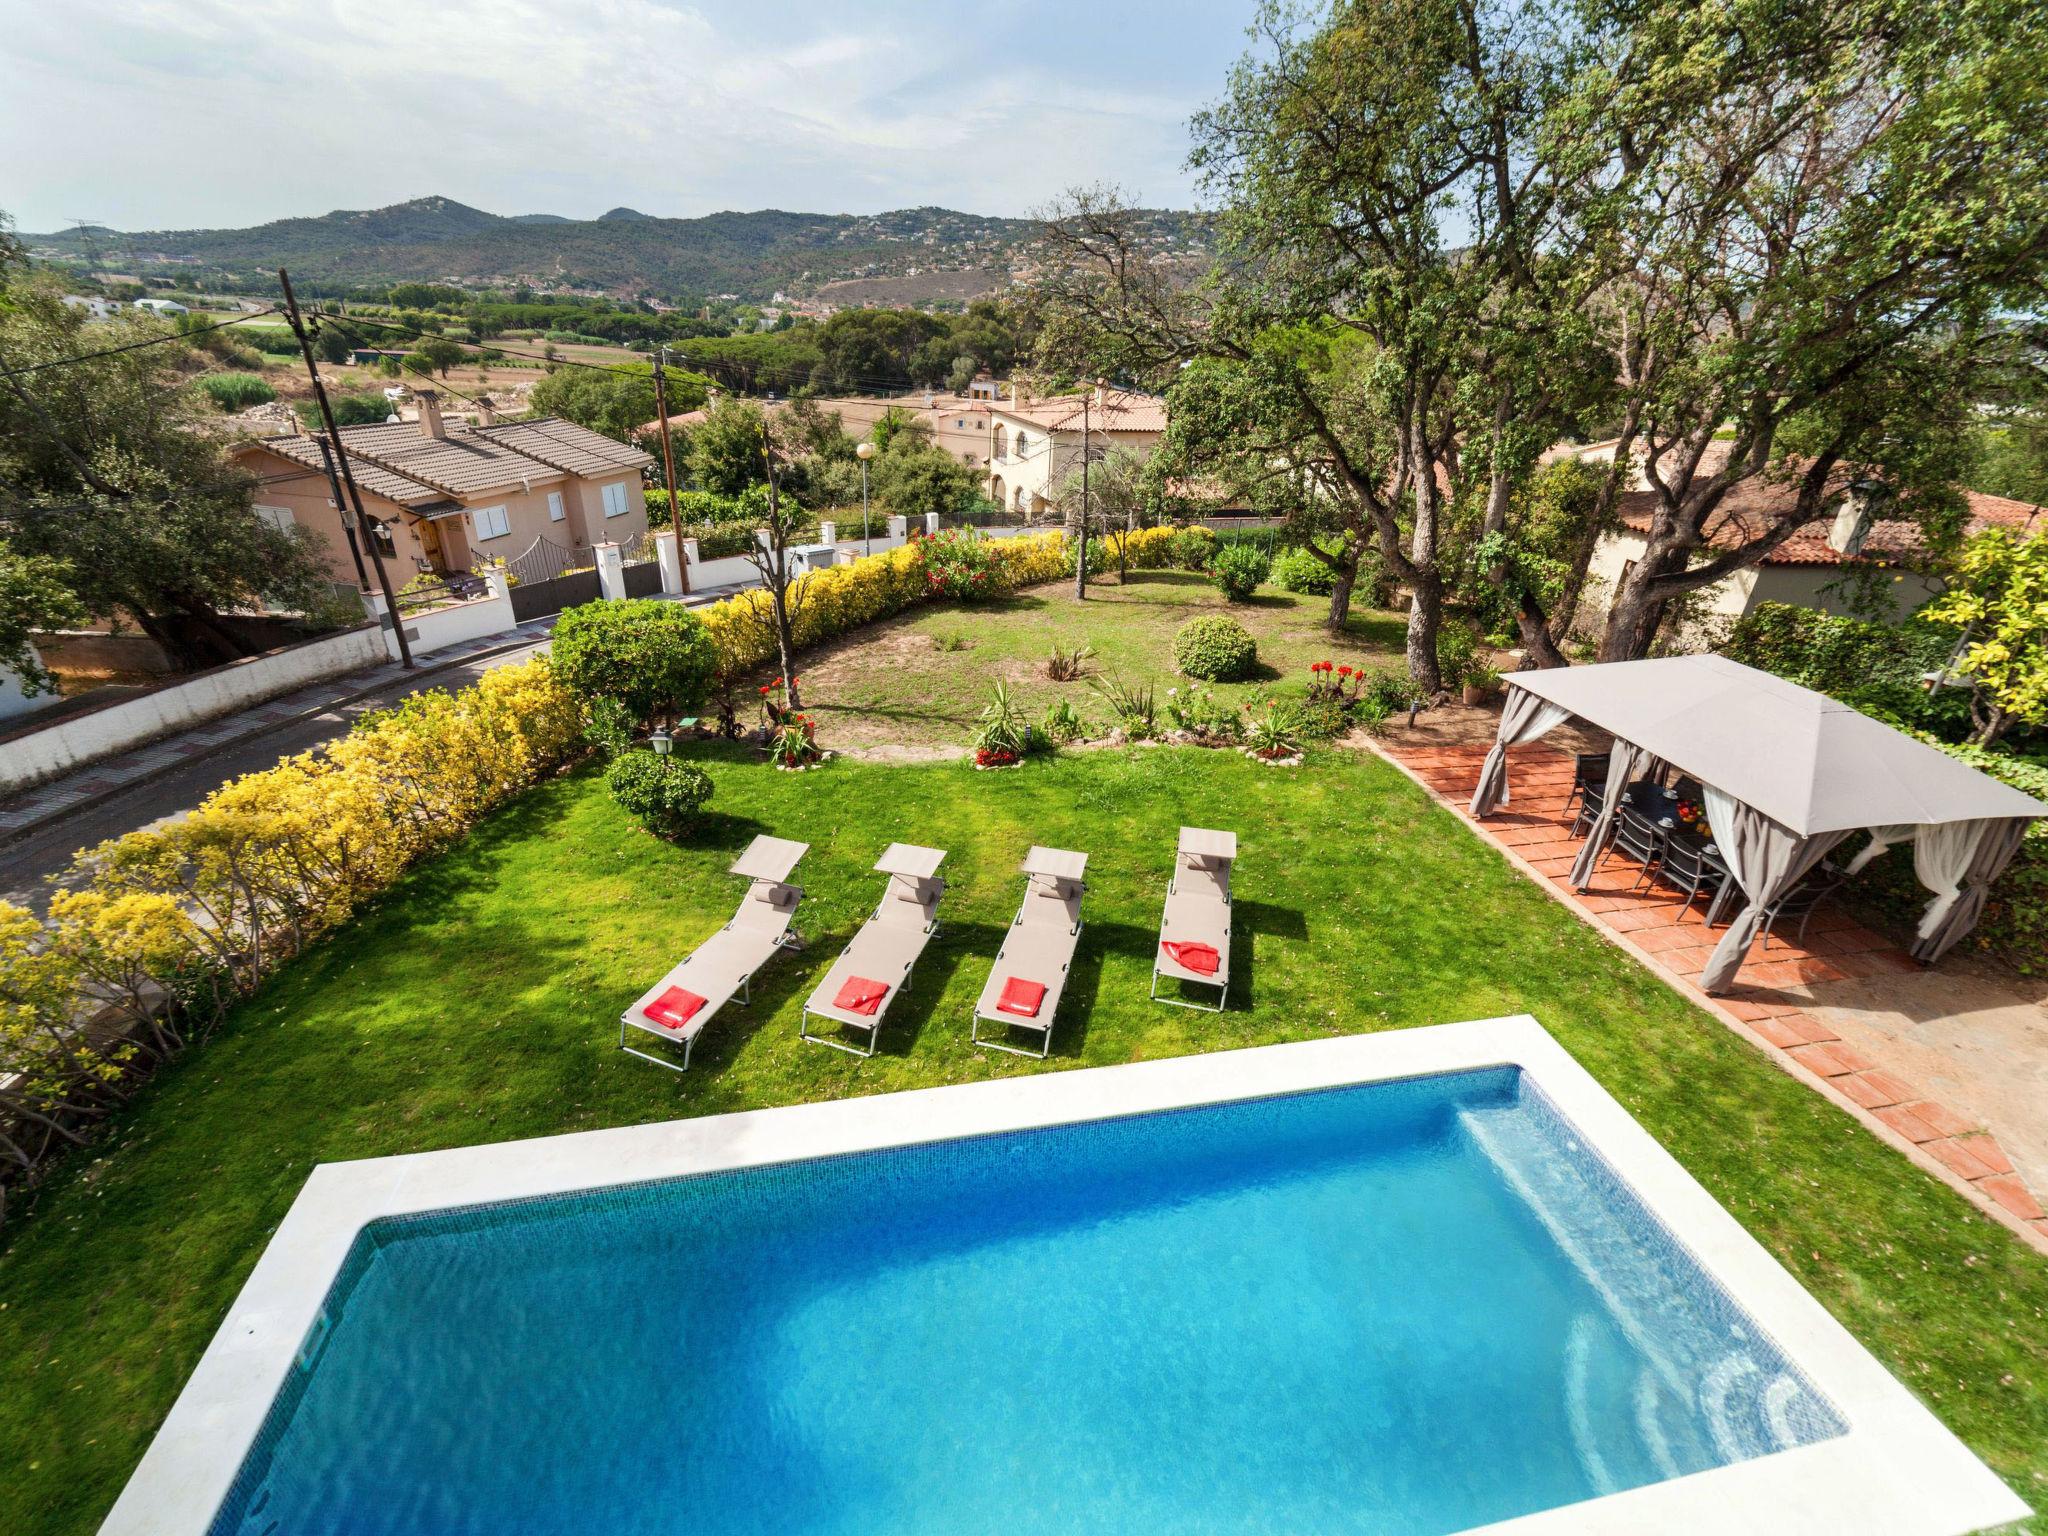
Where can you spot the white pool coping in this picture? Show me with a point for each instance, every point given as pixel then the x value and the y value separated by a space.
pixel 1896 1472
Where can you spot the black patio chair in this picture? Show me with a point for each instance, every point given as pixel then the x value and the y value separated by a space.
pixel 1638 837
pixel 1589 771
pixel 1592 797
pixel 1801 902
pixel 1685 868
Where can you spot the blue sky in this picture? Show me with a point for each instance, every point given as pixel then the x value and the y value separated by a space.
pixel 153 114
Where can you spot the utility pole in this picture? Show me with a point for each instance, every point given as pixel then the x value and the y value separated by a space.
pixel 355 497
pixel 668 464
pixel 1081 556
pixel 348 520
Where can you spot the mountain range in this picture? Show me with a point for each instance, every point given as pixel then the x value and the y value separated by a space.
pixel 622 252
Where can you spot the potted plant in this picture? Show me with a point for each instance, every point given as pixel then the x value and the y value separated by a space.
pixel 1480 681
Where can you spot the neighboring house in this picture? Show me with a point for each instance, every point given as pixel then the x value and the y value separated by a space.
pixel 1035 444
pixel 446 496
pixel 1808 569
pixel 95 308
pixel 165 308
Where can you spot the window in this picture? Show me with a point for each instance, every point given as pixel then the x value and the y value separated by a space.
pixel 615 499
pixel 279 518
pixel 491 523
pixel 556 511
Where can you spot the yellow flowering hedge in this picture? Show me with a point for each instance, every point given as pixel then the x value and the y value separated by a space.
pixel 200 911
pixel 841 598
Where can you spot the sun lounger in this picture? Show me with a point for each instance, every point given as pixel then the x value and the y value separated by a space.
pixel 677 1007
pixel 1194 931
pixel 1023 991
pixel 857 992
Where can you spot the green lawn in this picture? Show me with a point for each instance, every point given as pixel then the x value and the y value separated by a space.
pixel 479 1002
pixel 921 679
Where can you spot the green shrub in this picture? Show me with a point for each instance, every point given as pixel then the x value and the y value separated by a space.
pixel 1216 649
pixel 236 391
pixel 1191 549
pixel 1457 653
pixel 652 657
pixel 1296 570
pixel 1872 667
pixel 1238 569
pixel 663 794
pixel 1325 717
pixel 1063 722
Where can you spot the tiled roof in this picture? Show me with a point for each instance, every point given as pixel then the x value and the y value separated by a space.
pixel 1750 507
pixel 1119 410
pixel 398 461
pixel 565 446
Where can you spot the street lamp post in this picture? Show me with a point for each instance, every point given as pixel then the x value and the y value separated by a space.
pixel 865 452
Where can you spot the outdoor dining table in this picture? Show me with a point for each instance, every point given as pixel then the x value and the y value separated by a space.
pixel 1659 802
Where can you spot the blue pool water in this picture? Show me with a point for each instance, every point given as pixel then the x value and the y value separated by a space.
pixel 1401 1308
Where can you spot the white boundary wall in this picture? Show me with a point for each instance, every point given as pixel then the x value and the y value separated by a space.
pixel 84 738
pixel 438 628
pixel 1896 1470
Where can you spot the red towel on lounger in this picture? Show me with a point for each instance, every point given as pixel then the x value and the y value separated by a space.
pixel 1202 958
pixel 859 995
pixel 1021 997
pixel 674 1008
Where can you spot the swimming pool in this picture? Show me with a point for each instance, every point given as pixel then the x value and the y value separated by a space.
pixel 1404 1304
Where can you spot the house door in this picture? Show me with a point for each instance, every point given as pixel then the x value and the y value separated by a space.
pixel 430 542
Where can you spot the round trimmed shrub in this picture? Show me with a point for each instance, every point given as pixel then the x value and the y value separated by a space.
pixel 663 794
pixel 1215 649
pixel 653 657
pixel 1238 569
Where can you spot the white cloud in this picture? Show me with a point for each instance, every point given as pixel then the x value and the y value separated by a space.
pixel 174 113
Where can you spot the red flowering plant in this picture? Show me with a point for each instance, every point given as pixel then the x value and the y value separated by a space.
pixel 1338 683
pixel 957 567
pixel 775 700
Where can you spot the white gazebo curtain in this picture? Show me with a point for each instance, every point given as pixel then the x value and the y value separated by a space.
pixel 1949 917
pixel 1767 861
pixel 1523 718
pixel 1626 762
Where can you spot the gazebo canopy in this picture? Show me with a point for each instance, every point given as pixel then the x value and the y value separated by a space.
pixel 1807 762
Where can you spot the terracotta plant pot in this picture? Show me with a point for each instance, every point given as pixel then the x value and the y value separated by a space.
pixel 1475 693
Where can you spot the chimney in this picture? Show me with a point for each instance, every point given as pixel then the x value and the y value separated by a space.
pixel 430 413
pixel 486 411
pixel 1098 394
pixel 1854 517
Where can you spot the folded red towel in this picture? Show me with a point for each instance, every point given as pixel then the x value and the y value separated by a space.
pixel 1021 997
pixel 674 1008
pixel 857 994
pixel 1195 957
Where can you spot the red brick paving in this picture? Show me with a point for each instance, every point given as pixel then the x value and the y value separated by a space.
pixel 1768 1000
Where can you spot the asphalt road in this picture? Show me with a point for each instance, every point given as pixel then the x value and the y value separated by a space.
pixel 27 864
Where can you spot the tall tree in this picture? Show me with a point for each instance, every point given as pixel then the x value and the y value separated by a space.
pixel 105 465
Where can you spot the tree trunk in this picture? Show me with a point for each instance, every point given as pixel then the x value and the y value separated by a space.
pixel 1632 621
pixel 1340 592
pixel 1425 612
pixel 1536 638
pixel 1425 618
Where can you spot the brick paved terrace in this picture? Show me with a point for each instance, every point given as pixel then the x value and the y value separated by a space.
pixel 1796 999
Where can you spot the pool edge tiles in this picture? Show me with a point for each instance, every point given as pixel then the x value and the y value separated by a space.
pixel 1895 1469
